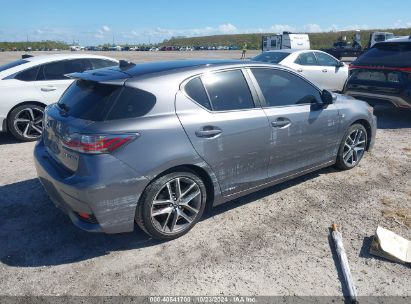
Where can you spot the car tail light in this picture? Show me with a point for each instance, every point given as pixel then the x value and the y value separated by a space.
pixel 97 143
pixel 354 67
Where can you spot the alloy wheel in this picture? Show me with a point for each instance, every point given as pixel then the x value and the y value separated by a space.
pixel 28 122
pixel 176 205
pixel 354 147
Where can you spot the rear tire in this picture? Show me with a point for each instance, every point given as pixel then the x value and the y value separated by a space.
pixel 171 205
pixel 352 147
pixel 25 122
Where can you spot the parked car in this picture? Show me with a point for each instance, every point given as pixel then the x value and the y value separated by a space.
pixel 319 67
pixel 29 84
pixel 155 143
pixel 382 75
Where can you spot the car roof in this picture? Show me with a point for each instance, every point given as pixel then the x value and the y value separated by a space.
pixel 399 39
pixel 292 51
pixel 164 66
pixel 151 68
pixel 33 61
pixel 284 51
pixel 179 69
pixel 65 56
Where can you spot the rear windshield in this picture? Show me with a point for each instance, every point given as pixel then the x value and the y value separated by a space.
pixel 97 102
pixel 387 55
pixel 271 57
pixel 12 64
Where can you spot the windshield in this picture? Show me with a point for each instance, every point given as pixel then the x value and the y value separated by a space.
pixel 390 54
pixel 12 64
pixel 271 57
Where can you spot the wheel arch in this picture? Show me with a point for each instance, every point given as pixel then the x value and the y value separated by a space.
pixel 6 121
pixel 203 174
pixel 367 127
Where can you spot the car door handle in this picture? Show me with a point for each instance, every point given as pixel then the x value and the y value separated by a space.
pixel 48 89
pixel 281 122
pixel 325 71
pixel 208 132
pixel 300 70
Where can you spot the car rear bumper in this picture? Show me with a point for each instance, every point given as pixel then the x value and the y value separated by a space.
pixel 373 98
pixel 109 195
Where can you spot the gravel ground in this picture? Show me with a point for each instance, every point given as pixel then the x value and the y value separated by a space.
pixel 273 242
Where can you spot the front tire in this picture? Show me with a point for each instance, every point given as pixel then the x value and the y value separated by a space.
pixel 352 147
pixel 25 122
pixel 171 205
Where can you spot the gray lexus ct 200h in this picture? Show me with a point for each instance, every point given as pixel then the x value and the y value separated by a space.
pixel 156 143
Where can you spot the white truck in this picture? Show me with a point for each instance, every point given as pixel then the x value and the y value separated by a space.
pixel 376 37
pixel 286 40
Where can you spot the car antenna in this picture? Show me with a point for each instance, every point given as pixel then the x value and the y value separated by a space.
pixel 24 56
pixel 124 64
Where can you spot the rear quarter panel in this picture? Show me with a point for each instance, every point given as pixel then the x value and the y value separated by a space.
pixel 352 110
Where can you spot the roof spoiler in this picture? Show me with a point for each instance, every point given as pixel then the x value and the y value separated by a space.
pixel 24 56
pixel 105 76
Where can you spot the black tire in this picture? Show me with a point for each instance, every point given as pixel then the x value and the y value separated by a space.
pixel 345 164
pixel 152 225
pixel 34 122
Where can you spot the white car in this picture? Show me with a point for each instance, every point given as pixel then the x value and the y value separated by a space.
pixel 320 68
pixel 28 85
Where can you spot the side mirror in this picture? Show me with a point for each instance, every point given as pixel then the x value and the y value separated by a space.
pixel 327 97
pixel 340 64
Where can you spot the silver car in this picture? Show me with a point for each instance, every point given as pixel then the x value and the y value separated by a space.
pixel 157 143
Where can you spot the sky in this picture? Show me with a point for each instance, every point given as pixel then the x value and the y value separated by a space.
pixel 92 22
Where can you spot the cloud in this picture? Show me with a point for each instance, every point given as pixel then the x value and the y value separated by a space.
pixel 227 28
pixel 312 28
pixel 101 33
pixel 159 33
pixel 279 28
pixel 401 24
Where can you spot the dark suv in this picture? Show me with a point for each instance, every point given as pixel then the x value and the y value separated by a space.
pixel 383 74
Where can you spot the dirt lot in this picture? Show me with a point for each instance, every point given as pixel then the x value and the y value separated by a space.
pixel 273 242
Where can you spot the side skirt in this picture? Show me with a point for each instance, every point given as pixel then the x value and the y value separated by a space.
pixel 270 183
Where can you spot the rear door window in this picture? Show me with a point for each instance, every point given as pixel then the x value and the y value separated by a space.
pixel 228 90
pixel 271 57
pixel 307 59
pixel 281 88
pixel 195 89
pixel 325 60
pixel 57 70
pixel 28 75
